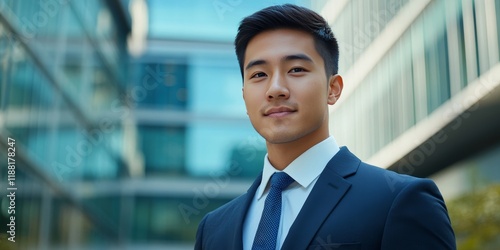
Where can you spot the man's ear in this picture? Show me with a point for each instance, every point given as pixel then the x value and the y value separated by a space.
pixel 335 86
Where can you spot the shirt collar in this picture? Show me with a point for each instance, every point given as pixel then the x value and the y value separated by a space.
pixel 305 168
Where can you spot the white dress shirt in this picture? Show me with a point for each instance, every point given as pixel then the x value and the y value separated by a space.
pixel 305 170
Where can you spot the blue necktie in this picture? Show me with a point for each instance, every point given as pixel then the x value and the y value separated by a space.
pixel 267 232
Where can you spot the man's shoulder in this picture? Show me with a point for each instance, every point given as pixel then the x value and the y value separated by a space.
pixel 219 224
pixel 354 165
pixel 375 176
pixel 378 172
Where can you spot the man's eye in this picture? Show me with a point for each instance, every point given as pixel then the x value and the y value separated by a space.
pixel 297 70
pixel 258 74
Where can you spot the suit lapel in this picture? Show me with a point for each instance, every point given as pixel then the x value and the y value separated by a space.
pixel 240 214
pixel 328 191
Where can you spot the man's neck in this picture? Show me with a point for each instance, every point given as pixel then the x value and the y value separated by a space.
pixel 281 155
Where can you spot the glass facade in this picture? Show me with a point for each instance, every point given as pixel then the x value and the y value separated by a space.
pixel 434 59
pixel 62 70
pixel 421 92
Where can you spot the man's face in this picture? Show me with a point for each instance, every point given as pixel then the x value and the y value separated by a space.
pixel 285 87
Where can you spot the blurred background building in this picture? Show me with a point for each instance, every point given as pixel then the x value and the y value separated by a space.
pixel 129 124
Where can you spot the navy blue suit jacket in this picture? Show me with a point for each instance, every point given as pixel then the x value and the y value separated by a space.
pixel 352 206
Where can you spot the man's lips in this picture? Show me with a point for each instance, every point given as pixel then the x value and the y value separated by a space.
pixel 278 111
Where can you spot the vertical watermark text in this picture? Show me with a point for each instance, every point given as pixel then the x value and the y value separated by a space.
pixel 11 188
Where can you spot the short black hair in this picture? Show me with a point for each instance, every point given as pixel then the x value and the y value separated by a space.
pixel 289 16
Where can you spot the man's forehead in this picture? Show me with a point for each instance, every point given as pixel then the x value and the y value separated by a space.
pixel 280 32
pixel 279 42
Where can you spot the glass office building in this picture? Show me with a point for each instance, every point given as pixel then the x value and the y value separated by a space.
pixel 62 81
pixel 422 97
pixel 413 71
pixel 421 84
pixel 129 123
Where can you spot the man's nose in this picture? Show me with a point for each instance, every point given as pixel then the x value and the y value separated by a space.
pixel 278 88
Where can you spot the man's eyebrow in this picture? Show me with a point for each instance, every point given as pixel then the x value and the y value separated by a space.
pixel 297 57
pixel 285 58
pixel 255 63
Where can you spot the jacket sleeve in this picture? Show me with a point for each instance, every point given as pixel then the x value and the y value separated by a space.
pixel 418 219
pixel 199 234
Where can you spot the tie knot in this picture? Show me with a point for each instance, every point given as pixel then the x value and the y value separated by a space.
pixel 281 180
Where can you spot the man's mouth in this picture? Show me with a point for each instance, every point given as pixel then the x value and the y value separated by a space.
pixel 279 111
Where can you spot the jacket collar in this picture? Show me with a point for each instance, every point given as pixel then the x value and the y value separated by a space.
pixel 331 184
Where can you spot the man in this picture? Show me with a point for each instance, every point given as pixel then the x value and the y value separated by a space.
pixel 311 193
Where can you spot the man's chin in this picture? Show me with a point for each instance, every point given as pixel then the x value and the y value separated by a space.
pixel 279 139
